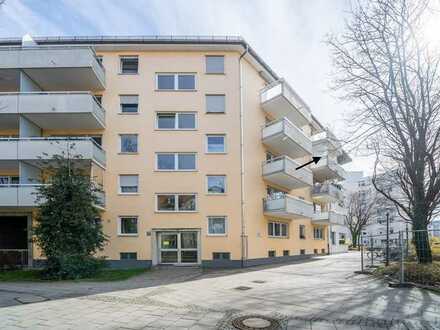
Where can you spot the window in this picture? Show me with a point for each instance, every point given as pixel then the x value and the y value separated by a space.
pixel 7 180
pixel 302 232
pixel 322 250
pixel 216 184
pixel 215 64
pixel 176 161
pixel 286 253
pixel 333 237
pixel 176 81
pixel 318 233
pixel 271 253
pixel 176 203
pixel 176 120
pixel 277 229
pixel 129 143
pixel 216 225
pixel 129 64
pixel 98 99
pixel 315 251
pixel 215 103
pixel 221 256
pixel 99 59
pixel 216 144
pixel 128 256
pixel 129 103
pixel 302 252
pixel 128 184
pixel 128 226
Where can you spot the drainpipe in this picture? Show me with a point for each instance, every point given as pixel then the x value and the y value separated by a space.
pixel 243 225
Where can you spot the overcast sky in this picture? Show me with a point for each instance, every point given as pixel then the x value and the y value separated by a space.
pixel 287 34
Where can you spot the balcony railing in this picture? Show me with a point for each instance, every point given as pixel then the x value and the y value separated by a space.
pixel 283 137
pixel 327 169
pixel 330 217
pixel 18 195
pixel 282 171
pixel 12 258
pixel 327 191
pixel 55 110
pixel 280 100
pixel 44 148
pixel 289 207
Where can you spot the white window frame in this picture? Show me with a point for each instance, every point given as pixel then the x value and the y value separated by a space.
pixel 225 151
pixel 128 152
pixel 120 64
pixel 217 216
pixel 127 193
pixel 322 234
pixel 176 81
pixel 214 73
pixel 176 207
pixel 207 185
pixel 206 104
pixel 120 105
pixel 281 231
pixel 176 120
pixel 176 161
pixel 120 233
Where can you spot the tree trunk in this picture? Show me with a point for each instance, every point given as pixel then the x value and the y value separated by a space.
pixel 354 237
pixel 421 241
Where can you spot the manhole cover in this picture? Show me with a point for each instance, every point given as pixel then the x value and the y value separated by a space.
pixel 249 322
pixel 242 288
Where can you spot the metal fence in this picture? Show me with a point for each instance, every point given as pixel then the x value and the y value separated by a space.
pixel 13 258
pixel 404 257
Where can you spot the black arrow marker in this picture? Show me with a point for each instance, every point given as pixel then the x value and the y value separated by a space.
pixel 314 160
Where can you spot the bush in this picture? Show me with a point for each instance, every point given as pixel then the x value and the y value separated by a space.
pixel 71 267
pixel 425 274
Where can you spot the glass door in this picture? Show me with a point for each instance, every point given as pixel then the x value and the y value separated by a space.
pixel 169 253
pixel 188 247
pixel 178 247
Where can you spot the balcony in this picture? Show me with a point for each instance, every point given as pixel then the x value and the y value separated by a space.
pixel 327 192
pixel 282 137
pixel 38 151
pixel 327 169
pixel 54 110
pixel 54 68
pixel 280 100
pixel 282 172
pixel 330 217
pixel 288 207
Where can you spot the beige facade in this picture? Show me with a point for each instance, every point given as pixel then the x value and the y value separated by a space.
pixel 267 132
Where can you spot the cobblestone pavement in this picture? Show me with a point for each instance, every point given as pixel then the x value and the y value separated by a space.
pixel 320 294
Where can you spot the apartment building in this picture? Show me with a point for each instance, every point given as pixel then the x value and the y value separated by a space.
pixel 194 141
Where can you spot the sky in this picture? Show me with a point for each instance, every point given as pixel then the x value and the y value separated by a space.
pixel 288 34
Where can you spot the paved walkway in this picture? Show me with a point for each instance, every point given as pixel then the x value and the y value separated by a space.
pixel 320 294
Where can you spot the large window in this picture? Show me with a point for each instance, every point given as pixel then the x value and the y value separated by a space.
pixel 176 202
pixel 129 143
pixel 128 184
pixel 176 120
pixel 215 64
pixel 216 184
pixel 302 232
pixel 278 229
pixel 128 226
pixel 215 143
pixel 176 161
pixel 176 81
pixel 318 233
pixel 217 225
pixel 129 64
pixel 129 103
pixel 215 103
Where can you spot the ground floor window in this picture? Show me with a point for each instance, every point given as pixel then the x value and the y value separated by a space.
pixel 286 253
pixel 271 253
pixel 221 256
pixel 341 238
pixel 302 232
pixel 302 251
pixel 333 237
pixel 318 233
pixel 128 226
pixel 216 225
pixel 128 256
pixel 277 229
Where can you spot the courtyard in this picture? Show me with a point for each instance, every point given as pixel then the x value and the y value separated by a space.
pixel 322 293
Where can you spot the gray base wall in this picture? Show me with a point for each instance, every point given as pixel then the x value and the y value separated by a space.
pixel 121 264
pixel 253 262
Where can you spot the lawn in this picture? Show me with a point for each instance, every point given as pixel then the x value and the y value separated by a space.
pixel 105 275
pixel 425 274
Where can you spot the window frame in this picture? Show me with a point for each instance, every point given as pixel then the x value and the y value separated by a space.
pixel 300 234
pixel 316 237
pixel 120 105
pixel 273 223
pixel 176 201
pixel 121 57
pixel 225 218
pixel 135 253
pixel 215 73
pixel 176 161
pixel 225 184
pixel 213 112
pixel 225 150
pixel 120 192
pixel 128 152
pixel 120 233
pixel 176 81
pixel 176 120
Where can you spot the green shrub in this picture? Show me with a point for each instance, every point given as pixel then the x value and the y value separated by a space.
pixel 70 267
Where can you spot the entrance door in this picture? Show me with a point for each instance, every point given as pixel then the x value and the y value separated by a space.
pixel 178 248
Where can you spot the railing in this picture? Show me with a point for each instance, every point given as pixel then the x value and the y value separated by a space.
pixel 288 166
pixel 18 195
pixel 288 204
pixel 331 164
pixel 327 189
pixel 330 216
pixel 13 258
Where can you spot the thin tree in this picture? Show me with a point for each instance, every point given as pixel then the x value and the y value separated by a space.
pixel 391 76
pixel 359 214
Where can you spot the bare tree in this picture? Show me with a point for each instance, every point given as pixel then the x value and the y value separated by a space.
pixel 359 213
pixel 390 74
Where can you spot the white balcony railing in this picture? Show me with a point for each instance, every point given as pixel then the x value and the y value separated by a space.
pixel 283 137
pixel 282 171
pixel 329 217
pixel 327 169
pixel 327 191
pixel 287 206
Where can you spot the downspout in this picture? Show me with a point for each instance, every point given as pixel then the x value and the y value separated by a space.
pixel 243 225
